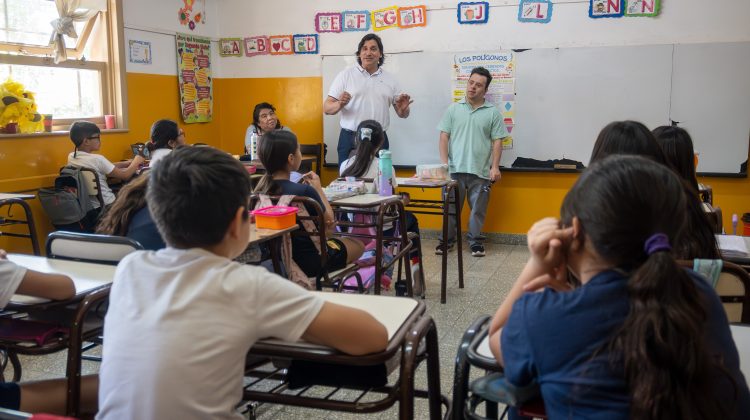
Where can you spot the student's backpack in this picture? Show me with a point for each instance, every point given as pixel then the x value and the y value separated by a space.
pixel 68 202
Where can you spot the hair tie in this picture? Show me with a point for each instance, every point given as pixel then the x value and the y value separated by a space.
pixel 365 133
pixel 657 242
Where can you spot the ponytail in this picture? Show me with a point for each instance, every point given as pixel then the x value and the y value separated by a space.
pixel 274 150
pixel 369 139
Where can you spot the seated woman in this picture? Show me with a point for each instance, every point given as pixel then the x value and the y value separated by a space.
pixel 165 136
pixel 264 121
pixel 634 138
pixel 642 338
pixel 280 154
pixel 129 216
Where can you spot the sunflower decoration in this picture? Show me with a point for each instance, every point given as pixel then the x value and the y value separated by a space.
pixel 184 15
pixel 17 105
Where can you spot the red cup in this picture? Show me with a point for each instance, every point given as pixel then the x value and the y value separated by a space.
pixel 109 122
pixel 48 123
pixel 11 128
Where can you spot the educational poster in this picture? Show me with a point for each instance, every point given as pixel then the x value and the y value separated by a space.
pixel 502 90
pixel 194 77
pixel 230 47
pixel 385 18
pixel 328 22
pixel 410 17
pixel 473 12
pixel 606 8
pixel 645 8
pixel 535 11
pixel 356 20
pixel 281 44
pixel 256 45
pixel 140 51
pixel 305 44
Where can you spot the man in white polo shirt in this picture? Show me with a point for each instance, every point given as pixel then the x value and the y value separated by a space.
pixel 365 92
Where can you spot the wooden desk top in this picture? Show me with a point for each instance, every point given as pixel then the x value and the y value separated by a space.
pixel 423 183
pixel 260 235
pixel 7 196
pixel 87 277
pixel 363 200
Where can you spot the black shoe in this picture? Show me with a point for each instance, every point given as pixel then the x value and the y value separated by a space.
pixel 477 250
pixel 441 245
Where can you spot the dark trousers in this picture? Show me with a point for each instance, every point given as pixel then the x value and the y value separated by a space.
pixel 347 144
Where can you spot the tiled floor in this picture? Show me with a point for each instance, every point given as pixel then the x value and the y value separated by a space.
pixel 487 281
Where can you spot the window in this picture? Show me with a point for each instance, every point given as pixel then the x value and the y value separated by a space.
pixel 86 86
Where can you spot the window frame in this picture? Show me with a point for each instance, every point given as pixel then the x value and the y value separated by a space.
pixel 113 86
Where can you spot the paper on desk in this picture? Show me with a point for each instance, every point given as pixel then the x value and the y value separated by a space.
pixel 732 245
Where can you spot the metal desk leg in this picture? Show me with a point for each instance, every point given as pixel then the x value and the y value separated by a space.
pixel 444 260
pixel 459 239
pixel 274 246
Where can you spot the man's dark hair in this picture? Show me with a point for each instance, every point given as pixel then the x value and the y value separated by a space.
pixel 81 130
pixel 194 193
pixel 482 72
pixel 362 44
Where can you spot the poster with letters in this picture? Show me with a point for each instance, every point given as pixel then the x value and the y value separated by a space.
pixel 194 78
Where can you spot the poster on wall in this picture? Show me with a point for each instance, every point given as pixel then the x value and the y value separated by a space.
pixel 140 51
pixel 535 11
pixel 645 8
pixel 606 8
pixel 502 90
pixel 194 77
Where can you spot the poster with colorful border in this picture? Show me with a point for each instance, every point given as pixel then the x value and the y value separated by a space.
pixel 473 12
pixel 140 51
pixel 642 8
pixel 281 44
pixel 194 78
pixel 356 20
pixel 385 18
pixel 230 47
pixel 412 17
pixel 535 11
pixel 305 43
pixel 328 22
pixel 606 8
pixel 256 45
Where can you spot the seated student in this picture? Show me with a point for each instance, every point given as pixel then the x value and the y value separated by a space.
pixel 47 396
pixel 165 136
pixel 634 138
pixel 642 338
pixel 86 137
pixel 677 146
pixel 182 319
pixel 280 154
pixel 129 216
pixel 264 120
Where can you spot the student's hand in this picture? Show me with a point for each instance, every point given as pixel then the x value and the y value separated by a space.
pixel 548 243
pixel 405 198
pixel 312 179
pixel 3 254
pixel 139 159
pixel 558 281
pixel 495 174
pixel 345 98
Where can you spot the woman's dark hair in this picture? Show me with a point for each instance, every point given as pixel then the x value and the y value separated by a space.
pixel 626 138
pixel 194 194
pixel 369 138
pixel 634 138
pixel 677 146
pixel 130 199
pixel 621 201
pixel 275 148
pixel 256 115
pixel 162 132
pixel 378 41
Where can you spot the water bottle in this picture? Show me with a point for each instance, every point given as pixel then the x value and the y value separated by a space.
pixel 252 146
pixel 385 172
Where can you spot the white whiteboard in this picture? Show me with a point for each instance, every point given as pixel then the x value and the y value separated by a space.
pixel 565 96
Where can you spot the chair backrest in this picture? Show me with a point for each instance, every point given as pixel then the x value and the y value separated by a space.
pixel 313 149
pixel 733 287
pixel 714 216
pixel 89 247
pixel 93 185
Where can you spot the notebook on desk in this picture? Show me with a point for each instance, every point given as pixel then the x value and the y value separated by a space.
pixel 732 246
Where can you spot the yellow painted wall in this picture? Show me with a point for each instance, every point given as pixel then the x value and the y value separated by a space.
pixel 29 163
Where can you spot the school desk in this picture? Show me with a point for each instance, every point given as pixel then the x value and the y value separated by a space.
pixel 378 211
pixel 66 324
pixel 440 207
pixel 274 237
pixel 743 262
pixel 305 158
pixel 8 200
pixel 407 324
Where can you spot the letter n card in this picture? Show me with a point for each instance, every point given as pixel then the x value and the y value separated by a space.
pixel 645 8
pixel 606 8
pixel 306 44
pixel 410 17
pixel 281 44
pixel 536 11
pixel 385 18
pixel 256 45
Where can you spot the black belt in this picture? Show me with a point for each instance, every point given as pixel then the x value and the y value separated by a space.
pixel 348 131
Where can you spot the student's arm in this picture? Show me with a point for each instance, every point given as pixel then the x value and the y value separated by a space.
pixel 497 152
pixel 444 139
pixel 126 173
pixel 44 285
pixel 312 179
pixel 332 106
pixel 350 330
pixel 547 258
pixel 51 396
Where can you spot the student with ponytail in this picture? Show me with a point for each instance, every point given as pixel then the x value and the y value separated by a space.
pixel 165 136
pixel 280 154
pixel 641 338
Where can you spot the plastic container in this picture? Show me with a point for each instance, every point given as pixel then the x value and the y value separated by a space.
pixel 275 217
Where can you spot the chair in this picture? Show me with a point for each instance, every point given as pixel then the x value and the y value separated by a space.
pixel 89 247
pixel 312 149
pixel 93 184
pixel 333 280
pixel 714 217
pixel 11 220
pixel 733 287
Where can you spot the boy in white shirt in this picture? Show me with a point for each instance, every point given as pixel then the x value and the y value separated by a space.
pixel 86 137
pixel 48 396
pixel 182 319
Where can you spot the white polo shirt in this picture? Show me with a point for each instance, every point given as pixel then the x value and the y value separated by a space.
pixel 372 95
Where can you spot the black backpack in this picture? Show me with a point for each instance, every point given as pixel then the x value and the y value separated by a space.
pixel 69 201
